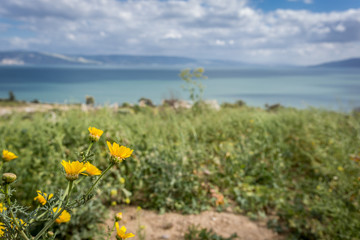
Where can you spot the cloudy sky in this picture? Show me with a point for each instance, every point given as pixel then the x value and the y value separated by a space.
pixel 260 31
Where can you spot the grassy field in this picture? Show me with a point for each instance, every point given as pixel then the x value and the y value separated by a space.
pixel 290 166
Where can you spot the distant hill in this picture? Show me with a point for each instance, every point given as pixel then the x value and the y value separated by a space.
pixel 138 60
pixel 40 58
pixel 37 58
pixel 348 63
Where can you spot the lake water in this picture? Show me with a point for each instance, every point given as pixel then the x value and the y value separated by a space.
pixel 297 87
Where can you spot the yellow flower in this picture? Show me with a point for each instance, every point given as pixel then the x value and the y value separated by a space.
pixel 8 156
pixel 64 216
pixel 91 169
pixel 113 192
pixel 121 232
pixel 40 197
pixel 2 229
pixel 340 168
pixel 119 153
pixel 127 200
pixel 2 207
pixel 95 134
pixel 73 169
pixel 122 180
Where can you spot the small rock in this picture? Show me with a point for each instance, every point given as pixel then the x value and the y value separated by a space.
pixel 167 225
pixel 229 209
pixel 165 236
pixel 212 104
pixel 176 104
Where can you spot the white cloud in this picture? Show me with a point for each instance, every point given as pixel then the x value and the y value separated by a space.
pixel 227 29
pixel 340 28
pixel 220 42
pixel 17 42
pixel 305 1
pixel 172 34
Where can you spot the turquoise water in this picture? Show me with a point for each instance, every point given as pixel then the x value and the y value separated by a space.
pixel 297 87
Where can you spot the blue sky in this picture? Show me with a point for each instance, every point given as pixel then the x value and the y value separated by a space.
pixel 298 32
pixel 311 5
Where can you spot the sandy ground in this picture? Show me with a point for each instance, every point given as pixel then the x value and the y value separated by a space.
pixel 173 225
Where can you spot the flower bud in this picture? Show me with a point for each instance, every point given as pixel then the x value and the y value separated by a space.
pixel 8 177
pixel 118 216
pixel 115 160
pixel 113 193
pixel 122 180
pixel 50 233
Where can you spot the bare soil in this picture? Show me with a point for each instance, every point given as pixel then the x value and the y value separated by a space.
pixel 174 225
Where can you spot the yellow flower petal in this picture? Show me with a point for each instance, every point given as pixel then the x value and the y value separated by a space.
pixel 95 133
pixel 2 207
pixel 92 170
pixel 2 229
pixel 119 152
pixel 73 169
pixel 129 235
pixel 8 156
pixel 117 227
pixel 122 232
pixel 64 216
pixel 40 197
pixel 123 229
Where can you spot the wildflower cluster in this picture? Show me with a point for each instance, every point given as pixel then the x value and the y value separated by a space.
pixel 8 156
pixel 17 223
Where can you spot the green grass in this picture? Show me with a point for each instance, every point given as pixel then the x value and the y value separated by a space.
pixel 291 165
pixel 7 103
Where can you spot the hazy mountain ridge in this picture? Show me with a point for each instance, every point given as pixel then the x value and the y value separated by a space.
pixel 347 63
pixel 43 58
pixel 40 58
pixel 35 58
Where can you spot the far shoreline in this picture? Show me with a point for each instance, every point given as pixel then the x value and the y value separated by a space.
pixel 8 107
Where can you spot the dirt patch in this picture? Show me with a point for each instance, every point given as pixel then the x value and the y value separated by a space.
pixel 174 225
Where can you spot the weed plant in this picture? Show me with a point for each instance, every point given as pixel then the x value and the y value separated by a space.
pixel 18 222
pixel 197 233
pixel 291 166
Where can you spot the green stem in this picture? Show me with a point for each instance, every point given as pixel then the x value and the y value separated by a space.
pixel 111 231
pixel 12 213
pixel 59 212
pixel 87 151
pixel 66 193
pixel 36 216
pixel 97 180
pixel 58 207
